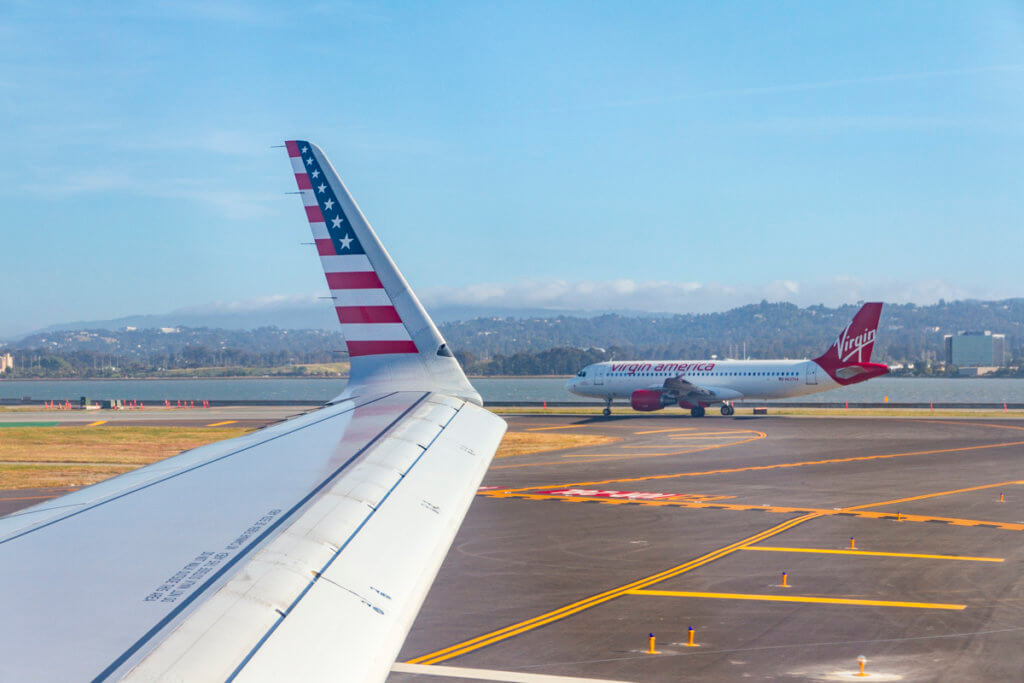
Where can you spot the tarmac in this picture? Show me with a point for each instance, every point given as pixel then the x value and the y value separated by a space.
pixel 569 559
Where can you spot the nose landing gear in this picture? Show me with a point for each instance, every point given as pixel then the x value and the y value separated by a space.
pixel 607 408
pixel 727 409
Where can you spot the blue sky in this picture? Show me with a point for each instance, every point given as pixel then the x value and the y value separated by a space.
pixel 658 156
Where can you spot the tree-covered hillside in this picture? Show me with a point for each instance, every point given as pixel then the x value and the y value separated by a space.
pixel 908 334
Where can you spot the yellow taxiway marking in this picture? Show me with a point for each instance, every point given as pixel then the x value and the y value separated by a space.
pixel 221 424
pixel 97 423
pixel 594 600
pixel 641 584
pixel 796 598
pixel 940 493
pixel 829 551
pixel 824 512
pixel 757 468
pixel 597 457
pixel 662 431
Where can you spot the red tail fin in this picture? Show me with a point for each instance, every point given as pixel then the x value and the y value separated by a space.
pixel 848 360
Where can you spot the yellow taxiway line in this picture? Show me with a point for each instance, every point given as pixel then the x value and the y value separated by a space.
pixel 829 551
pixel 221 424
pixel 824 512
pixel 796 598
pixel 597 457
pixel 758 468
pixel 940 493
pixel 662 431
pixel 594 600
pixel 97 423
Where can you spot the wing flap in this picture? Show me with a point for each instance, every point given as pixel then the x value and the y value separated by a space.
pixel 346 578
pixel 366 600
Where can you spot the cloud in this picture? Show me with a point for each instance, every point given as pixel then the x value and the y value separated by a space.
pixel 231 204
pixel 269 302
pixel 692 297
pixel 812 86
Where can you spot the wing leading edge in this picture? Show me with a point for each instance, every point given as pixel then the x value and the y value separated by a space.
pixel 301 552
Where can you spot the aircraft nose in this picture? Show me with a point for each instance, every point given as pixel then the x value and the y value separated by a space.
pixel 571 385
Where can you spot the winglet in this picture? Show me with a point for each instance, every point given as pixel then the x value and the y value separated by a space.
pixel 392 342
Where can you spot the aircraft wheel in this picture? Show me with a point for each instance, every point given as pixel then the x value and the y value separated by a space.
pixel 697 412
pixel 607 412
pixel 727 410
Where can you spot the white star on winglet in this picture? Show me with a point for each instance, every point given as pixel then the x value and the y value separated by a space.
pixel 335 222
pixel 309 161
pixel 329 204
pixel 305 149
pixel 321 188
pixel 345 241
pixel 316 174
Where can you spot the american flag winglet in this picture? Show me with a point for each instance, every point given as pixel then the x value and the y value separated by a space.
pixel 368 318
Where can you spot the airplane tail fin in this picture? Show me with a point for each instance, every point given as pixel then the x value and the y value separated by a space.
pixel 391 340
pixel 848 360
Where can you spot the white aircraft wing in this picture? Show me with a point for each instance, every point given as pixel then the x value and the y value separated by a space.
pixel 683 389
pixel 302 551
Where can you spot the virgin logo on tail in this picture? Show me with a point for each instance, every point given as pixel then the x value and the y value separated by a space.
pixel 848 346
pixel 848 360
pixel 854 344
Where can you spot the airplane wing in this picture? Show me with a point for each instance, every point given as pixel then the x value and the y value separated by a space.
pixel 302 551
pixel 682 389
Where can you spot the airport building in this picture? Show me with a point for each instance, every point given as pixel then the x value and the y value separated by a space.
pixel 976 349
pixel 6 362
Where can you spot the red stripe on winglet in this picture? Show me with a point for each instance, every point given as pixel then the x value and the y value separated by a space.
pixel 303 180
pixel 360 280
pixel 314 215
pixel 325 248
pixel 293 148
pixel 372 348
pixel 367 314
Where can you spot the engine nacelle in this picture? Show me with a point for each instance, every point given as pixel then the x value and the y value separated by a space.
pixel 647 400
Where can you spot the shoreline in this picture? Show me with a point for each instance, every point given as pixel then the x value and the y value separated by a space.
pixel 195 378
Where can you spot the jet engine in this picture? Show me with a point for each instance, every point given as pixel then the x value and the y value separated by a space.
pixel 647 400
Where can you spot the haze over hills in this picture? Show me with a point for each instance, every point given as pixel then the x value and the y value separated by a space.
pixel 524 344
pixel 300 314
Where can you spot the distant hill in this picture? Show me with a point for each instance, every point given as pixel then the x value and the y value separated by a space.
pixel 530 344
pixel 297 315
pixel 765 330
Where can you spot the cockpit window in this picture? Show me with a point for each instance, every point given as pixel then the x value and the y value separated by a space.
pixel 581 373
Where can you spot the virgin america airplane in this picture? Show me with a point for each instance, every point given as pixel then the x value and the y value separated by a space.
pixel 656 384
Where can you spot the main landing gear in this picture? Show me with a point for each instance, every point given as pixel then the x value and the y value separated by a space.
pixel 697 412
pixel 607 408
pixel 727 409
